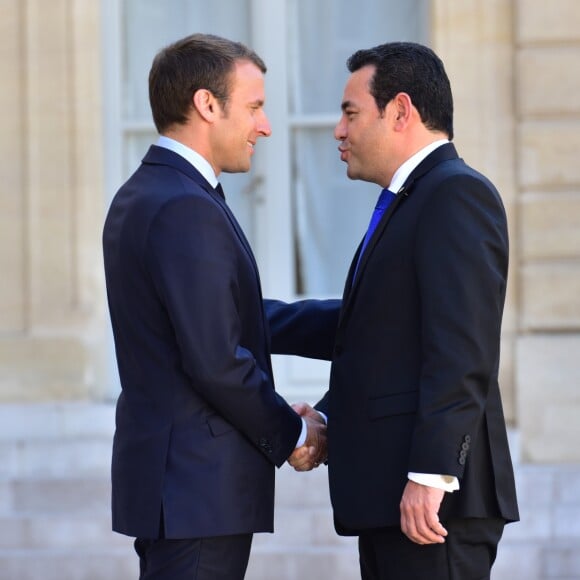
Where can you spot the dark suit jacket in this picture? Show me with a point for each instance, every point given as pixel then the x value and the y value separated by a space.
pixel 199 426
pixel 414 379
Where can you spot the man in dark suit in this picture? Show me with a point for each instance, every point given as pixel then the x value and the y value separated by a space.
pixel 418 457
pixel 199 427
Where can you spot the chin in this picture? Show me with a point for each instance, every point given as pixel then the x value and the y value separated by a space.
pixel 239 168
pixel 351 173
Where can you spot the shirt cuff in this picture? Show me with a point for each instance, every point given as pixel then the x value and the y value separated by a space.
pixel 303 434
pixel 445 482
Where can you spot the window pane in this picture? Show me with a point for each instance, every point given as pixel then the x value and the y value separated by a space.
pixel 323 34
pixel 332 212
pixel 148 25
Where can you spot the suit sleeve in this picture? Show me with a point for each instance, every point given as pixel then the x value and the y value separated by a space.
pixel 461 256
pixel 195 265
pixel 305 328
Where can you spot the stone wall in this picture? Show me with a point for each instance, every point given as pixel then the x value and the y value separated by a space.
pixel 51 205
pixel 513 67
pixel 547 111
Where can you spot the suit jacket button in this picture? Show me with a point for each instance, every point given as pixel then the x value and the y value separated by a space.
pixel 465 446
pixel 461 461
pixel 266 445
pixel 467 439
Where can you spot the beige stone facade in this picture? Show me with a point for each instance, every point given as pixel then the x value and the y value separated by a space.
pixel 513 68
pixel 547 109
pixel 51 202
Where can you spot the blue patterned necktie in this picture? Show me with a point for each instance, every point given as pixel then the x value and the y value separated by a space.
pixel 384 201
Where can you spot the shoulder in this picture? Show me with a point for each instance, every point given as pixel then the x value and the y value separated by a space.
pixel 154 189
pixel 455 182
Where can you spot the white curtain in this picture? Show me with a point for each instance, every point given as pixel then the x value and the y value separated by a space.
pixel 331 212
pixel 149 25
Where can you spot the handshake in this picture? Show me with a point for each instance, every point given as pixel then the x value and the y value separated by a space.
pixel 313 452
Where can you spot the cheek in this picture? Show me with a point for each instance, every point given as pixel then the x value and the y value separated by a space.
pixel 376 139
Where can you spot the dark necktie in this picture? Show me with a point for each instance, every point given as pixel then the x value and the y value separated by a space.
pixel 383 203
pixel 219 190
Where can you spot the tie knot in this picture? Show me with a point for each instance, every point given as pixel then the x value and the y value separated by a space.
pixel 385 199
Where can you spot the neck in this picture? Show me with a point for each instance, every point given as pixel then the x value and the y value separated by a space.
pixel 422 139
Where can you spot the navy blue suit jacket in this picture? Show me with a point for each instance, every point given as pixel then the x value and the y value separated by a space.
pixel 414 377
pixel 199 427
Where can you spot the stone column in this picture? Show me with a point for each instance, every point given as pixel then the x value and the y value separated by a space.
pixel 51 206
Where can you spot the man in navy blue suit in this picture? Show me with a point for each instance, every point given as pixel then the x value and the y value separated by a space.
pixel 199 426
pixel 418 457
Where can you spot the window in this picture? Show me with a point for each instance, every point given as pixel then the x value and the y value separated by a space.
pixel 302 215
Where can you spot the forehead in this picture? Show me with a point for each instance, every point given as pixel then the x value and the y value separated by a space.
pixel 247 78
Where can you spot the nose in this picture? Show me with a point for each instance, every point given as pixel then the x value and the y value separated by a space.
pixel 340 130
pixel 264 128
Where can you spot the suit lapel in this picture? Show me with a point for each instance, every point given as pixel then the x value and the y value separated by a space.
pixel 375 238
pixel 443 153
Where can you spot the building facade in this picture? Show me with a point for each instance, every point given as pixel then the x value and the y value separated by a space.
pixel 74 123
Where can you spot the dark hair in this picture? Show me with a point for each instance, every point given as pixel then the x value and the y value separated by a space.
pixel 413 69
pixel 199 61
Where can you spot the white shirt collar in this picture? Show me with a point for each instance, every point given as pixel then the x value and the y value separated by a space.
pixel 405 170
pixel 199 162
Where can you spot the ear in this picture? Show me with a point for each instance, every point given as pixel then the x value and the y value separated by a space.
pixel 403 110
pixel 205 104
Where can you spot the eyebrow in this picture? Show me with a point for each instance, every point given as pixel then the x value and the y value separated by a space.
pixel 345 105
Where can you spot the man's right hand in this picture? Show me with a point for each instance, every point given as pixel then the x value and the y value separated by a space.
pixel 313 452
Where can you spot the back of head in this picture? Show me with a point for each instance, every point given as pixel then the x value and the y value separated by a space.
pixel 414 69
pixel 199 61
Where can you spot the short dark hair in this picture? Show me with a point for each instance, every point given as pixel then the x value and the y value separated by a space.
pixel 413 69
pixel 199 61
